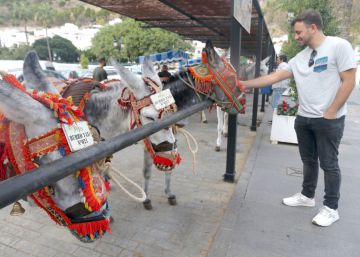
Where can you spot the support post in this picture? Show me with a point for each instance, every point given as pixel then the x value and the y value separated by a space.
pixel 263 96
pixel 257 69
pixel 229 175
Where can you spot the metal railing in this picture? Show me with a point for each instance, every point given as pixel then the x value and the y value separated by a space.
pixel 20 186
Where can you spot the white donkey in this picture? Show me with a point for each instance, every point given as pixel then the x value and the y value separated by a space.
pixel 103 111
pixel 247 72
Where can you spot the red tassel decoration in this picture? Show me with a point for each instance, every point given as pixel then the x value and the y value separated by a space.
pixel 90 228
pixel 203 57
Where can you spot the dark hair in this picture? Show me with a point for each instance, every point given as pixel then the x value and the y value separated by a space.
pixel 102 59
pixel 309 17
pixel 283 57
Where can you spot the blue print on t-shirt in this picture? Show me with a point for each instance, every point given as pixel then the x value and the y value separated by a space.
pixel 322 60
pixel 321 64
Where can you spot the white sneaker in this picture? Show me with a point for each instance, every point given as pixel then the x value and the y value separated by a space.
pixel 326 217
pixel 299 199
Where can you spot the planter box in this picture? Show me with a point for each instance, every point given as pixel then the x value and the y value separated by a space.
pixel 282 129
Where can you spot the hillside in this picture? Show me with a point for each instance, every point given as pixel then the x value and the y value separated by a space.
pixel 277 20
pixel 15 13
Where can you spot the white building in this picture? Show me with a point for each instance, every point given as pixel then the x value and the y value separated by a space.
pixel 278 42
pixel 80 37
pixel 10 37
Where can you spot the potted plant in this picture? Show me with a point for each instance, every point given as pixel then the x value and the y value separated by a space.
pixel 282 129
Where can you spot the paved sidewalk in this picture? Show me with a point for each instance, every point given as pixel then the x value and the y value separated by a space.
pixel 256 224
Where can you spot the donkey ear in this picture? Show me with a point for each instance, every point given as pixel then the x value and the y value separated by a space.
pixel 34 76
pixel 212 56
pixel 149 71
pixel 130 79
pixel 209 44
pixel 20 107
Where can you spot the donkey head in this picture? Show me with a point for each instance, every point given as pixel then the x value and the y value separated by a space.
pixel 229 87
pixel 140 89
pixel 67 193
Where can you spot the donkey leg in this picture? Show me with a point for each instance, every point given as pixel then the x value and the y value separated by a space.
pixel 171 197
pixel 203 117
pixel 225 127
pixel 220 120
pixel 147 175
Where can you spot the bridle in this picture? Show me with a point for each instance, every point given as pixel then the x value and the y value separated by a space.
pixel 163 161
pixel 207 78
pixel 127 101
pixel 22 152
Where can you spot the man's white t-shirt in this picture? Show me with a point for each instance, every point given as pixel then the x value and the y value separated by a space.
pixel 318 84
pixel 283 83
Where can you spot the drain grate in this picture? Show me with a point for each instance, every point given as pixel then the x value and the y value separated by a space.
pixel 296 172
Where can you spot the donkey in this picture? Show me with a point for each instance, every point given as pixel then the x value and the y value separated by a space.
pixel 112 114
pixel 68 201
pixel 102 112
pixel 246 72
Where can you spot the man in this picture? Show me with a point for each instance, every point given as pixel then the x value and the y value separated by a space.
pixel 99 74
pixel 324 73
pixel 279 87
pixel 164 74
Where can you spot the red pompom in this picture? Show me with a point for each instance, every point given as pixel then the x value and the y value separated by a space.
pixel 203 57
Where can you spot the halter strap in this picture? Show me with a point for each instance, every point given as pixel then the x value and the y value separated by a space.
pixel 21 152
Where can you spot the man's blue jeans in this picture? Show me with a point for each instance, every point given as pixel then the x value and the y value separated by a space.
pixel 319 140
pixel 276 95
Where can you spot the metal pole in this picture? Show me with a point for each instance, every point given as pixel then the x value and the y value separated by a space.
pixel 263 95
pixel 20 186
pixel 257 69
pixel 229 175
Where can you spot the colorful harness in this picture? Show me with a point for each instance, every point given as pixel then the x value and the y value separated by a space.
pixel 206 78
pixel 164 162
pixel 19 153
pixel 127 100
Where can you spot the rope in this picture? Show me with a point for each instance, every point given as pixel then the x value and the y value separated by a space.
pixel 102 165
pixel 194 149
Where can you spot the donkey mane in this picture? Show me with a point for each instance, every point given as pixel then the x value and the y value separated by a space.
pixel 102 110
pixel 184 96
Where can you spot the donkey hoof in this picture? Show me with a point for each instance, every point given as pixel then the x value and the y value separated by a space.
pixel 217 148
pixel 205 121
pixel 172 200
pixel 147 204
pixel 225 134
pixel 111 219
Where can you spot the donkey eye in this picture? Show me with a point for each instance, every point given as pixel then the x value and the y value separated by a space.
pixel 150 118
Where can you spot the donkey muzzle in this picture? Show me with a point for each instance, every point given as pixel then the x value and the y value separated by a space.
pixel 164 147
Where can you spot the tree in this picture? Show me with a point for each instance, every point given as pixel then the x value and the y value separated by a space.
pixel 343 10
pixel 62 49
pixel 354 23
pixel 84 61
pixel 127 40
pixel 19 52
pixel 22 12
pixel 44 15
pixel 15 53
pixel 295 7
